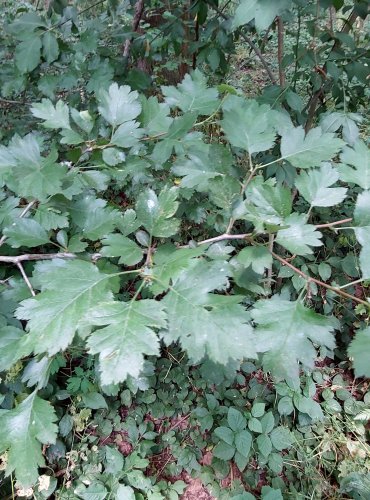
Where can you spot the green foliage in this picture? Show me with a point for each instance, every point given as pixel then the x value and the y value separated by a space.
pixel 174 267
pixel 22 431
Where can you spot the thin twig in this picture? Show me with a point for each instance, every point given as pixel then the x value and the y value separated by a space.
pixel 225 236
pixel 246 236
pixel 11 101
pixel 139 9
pixel 16 259
pixel 252 45
pixel 356 282
pixel 280 26
pixel 22 214
pixel 309 279
pixel 269 270
pixel 25 277
pixel 313 102
pixel 332 224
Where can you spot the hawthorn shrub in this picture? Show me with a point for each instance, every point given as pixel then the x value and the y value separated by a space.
pixel 195 218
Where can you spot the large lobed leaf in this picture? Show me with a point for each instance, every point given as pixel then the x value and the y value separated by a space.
pixel 287 333
pixel 359 350
pixel 356 165
pixel 128 337
pixel 119 104
pixel 192 95
pixel 207 324
pixel 262 11
pixel 309 150
pixel 22 431
pixel 362 230
pixel 156 212
pixel 248 125
pixel 314 186
pixel 68 290
pixel 29 174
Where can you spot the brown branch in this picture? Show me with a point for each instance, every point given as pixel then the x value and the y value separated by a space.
pixel 16 259
pixel 313 102
pixel 332 224
pixel 252 45
pixel 225 236
pixel 309 279
pixel 15 103
pixel 280 26
pixel 246 236
pixel 139 9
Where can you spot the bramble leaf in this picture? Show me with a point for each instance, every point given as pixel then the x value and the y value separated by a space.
pixel 22 431
pixel 286 334
pixel 128 337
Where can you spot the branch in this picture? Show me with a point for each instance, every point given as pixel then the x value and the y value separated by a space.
pixel 25 277
pixel 246 236
pixel 139 9
pixel 252 45
pixel 225 236
pixel 280 26
pixel 269 270
pixel 313 102
pixel 16 259
pixel 332 224
pixel 16 103
pixel 309 279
